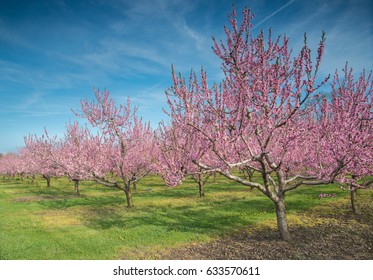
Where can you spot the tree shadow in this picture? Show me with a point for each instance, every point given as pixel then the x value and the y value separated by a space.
pixel 199 220
pixel 72 200
pixel 104 218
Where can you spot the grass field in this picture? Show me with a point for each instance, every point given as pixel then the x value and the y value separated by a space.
pixel 52 223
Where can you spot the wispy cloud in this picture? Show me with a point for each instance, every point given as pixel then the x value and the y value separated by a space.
pixel 163 28
pixel 273 14
pixel 37 96
pixel 31 113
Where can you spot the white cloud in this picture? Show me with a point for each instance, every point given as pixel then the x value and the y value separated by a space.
pixel 273 14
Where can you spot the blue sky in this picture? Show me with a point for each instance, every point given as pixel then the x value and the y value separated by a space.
pixel 53 53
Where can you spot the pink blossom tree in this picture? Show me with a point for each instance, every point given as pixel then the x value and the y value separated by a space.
pixel 260 116
pixel 128 152
pixel 10 165
pixel 176 150
pixel 28 165
pixel 78 153
pixel 39 153
pixel 346 132
pixel 73 156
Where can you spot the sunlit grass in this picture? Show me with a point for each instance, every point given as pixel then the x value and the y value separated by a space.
pixel 37 222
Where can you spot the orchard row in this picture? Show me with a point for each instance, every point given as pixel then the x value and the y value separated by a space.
pixel 266 116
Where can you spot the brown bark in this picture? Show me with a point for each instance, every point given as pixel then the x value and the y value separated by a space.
pixel 353 201
pixel 200 187
pixel 127 191
pixel 48 180
pixel 76 187
pixel 282 223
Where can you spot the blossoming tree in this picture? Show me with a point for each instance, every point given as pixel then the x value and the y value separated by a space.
pixel 346 132
pixel 260 116
pixel 40 153
pixel 176 150
pixel 78 154
pixel 129 142
pixel 10 165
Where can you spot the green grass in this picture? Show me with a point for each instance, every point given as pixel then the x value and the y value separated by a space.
pixel 52 223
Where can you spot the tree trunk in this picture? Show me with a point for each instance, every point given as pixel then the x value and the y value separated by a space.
pixel 48 180
pixel 251 174
pixel 200 186
pixel 353 201
pixel 134 186
pixel 127 191
pixel 76 186
pixel 282 223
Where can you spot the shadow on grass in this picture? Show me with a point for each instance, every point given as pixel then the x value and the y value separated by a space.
pixel 72 200
pixel 199 219
pixel 104 218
